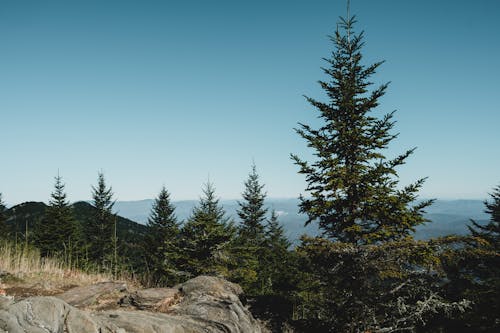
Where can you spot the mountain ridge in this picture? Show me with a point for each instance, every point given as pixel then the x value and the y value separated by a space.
pixel 447 216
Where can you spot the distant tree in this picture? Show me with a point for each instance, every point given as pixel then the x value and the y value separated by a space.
pixel 57 233
pixel 206 237
pixel 353 187
pixel 275 234
pixel 252 212
pixel 100 231
pixel 162 241
pixel 3 220
pixel 275 262
pixel 491 231
pixel 473 271
pixel 247 249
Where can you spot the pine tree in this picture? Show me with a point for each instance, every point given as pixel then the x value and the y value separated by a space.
pixel 353 186
pixel 275 234
pixel 57 233
pixel 252 212
pixel 206 237
pixel 491 231
pixel 3 220
pixel 161 241
pixel 247 250
pixel 473 269
pixel 100 231
pixel 275 260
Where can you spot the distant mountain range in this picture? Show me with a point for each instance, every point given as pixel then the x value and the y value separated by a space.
pixel 447 216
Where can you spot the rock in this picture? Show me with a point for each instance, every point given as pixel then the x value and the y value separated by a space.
pixel 85 296
pixel 204 304
pixel 152 299
pixel 214 302
pixel 147 322
pixel 43 315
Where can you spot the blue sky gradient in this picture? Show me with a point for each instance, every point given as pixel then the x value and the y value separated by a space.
pixel 163 92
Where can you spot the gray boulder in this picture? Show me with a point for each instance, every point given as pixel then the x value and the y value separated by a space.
pixel 203 304
pixel 158 299
pixel 44 315
pixel 86 296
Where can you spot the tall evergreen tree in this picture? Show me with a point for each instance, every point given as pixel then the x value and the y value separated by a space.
pixel 252 212
pixel 161 241
pixel 353 186
pixel 491 231
pixel 206 236
pixel 3 222
pixel 100 231
pixel 57 232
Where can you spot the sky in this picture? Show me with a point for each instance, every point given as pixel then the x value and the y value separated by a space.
pixel 174 93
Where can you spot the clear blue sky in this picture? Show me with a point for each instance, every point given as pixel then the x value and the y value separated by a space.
pixel 164 92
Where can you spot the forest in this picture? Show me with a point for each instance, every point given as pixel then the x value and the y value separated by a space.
pixel 365 273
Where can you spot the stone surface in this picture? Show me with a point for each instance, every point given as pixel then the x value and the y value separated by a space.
pixel 203 304
pixel 86 296
pixel 44 315
pixel 152 298
pixel 214 301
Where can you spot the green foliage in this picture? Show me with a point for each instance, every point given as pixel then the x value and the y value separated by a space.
pixel 247 249
pixel 252 212
pixel 353 186
pixel 24 217
pixel 3 220
pixel 491 231
pixel 206 237
pixel 472 265
pixel 57 233
pixel 100 230
pixel 276 263
pixel 162 242
pixel 390 287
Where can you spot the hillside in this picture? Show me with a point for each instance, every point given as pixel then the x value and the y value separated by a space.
pixel 30 214
pixel 25 218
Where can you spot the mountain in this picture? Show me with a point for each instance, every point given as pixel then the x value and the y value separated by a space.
pixel 447 216
pixel 29 215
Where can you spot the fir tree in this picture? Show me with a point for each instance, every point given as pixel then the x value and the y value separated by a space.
pixel 252 212
pixel 491 231
pixel 353 186
pixel 100 231
pixel 275 260
pixel 3 220
pixel 275 234
pixel 206 237
pixel 57 232
pixel 247 249
pixel 161 241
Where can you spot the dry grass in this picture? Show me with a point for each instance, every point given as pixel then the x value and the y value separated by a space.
pixel 26 266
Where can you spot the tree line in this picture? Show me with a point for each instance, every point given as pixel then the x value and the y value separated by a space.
pixel 365 273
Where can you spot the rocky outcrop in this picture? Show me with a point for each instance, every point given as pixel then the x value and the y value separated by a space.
pixel 44 315
pixel 215 302
pixel 157 299
pixel 203 304
pixel 93 296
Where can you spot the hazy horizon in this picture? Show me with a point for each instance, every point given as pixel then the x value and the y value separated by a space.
pixel 10 204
